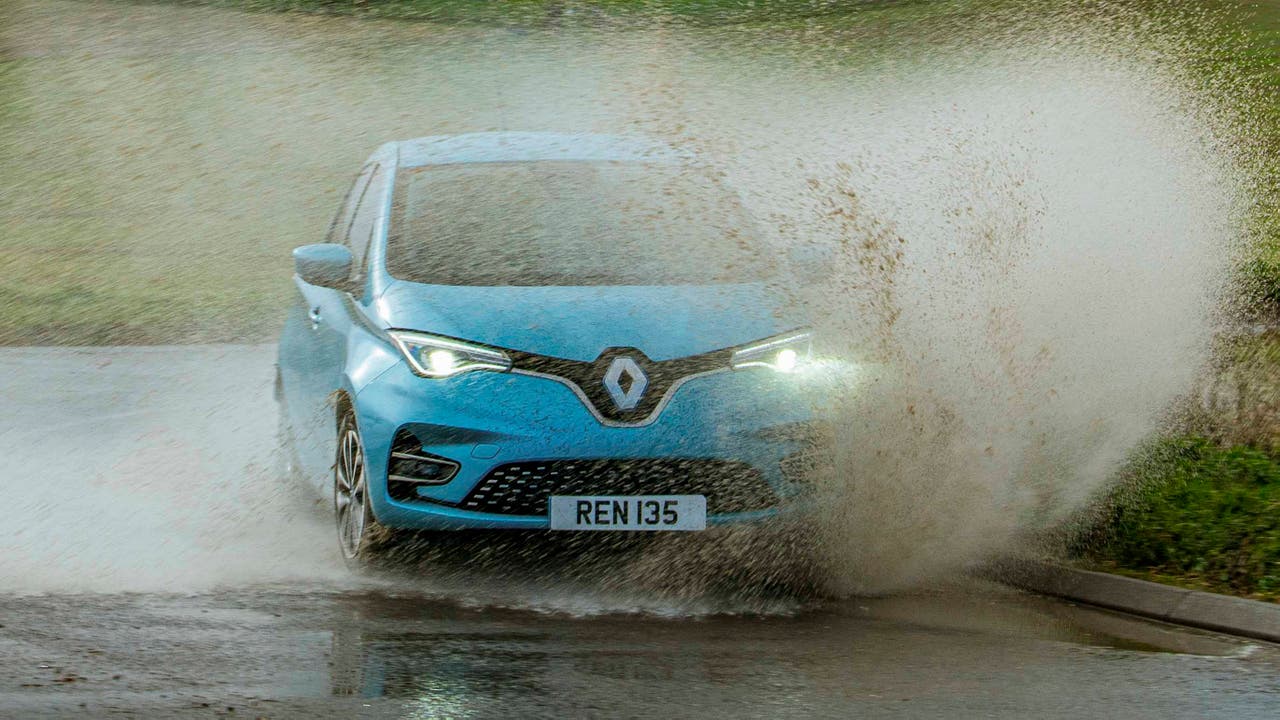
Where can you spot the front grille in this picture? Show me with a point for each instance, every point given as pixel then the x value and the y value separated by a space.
pixel 522 488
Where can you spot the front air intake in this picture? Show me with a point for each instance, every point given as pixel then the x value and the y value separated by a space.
pixel 410 467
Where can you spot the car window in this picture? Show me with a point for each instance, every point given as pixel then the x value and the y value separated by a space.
pixel 570 223
pixel 342 221
pixel 365 219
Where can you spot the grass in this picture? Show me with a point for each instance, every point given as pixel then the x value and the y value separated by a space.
pixel 552 11
pixel 1249 53
pixel 1186 581
pixel 1198 515
pixel 1203 511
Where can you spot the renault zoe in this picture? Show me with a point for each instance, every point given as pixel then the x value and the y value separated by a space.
pixel 541 331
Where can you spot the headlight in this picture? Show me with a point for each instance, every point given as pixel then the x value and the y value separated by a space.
pixel 784 353
pixel 437 357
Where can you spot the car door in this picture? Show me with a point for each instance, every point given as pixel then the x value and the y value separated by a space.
pixel 314 344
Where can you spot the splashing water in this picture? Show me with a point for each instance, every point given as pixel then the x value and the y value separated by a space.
pixel 1027 269
pixel 1023 240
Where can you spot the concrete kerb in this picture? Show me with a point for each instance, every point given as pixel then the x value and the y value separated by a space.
pixel 1209 611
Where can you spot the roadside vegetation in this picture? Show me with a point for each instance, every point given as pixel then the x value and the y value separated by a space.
pixel 1199 515
pixel 552 11
pixel 1201 508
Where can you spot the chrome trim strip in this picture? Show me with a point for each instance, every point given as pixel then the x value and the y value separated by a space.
pixel 747 356
pixel 423 458
pixel 653 416
pixel 418 481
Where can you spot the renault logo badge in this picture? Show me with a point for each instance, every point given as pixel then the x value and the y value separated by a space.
pixel 636 383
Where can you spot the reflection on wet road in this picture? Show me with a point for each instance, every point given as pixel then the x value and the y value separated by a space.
pixel 961 650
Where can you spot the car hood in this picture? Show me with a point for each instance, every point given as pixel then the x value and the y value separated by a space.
pixel 579 323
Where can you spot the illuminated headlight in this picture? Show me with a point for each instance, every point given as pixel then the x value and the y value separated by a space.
pixel 437 357
pixel 784 353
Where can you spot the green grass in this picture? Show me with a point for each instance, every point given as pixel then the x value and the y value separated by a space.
pixel 1247 53
pixel 552 11
pixel 1199 515
pixel 1203 511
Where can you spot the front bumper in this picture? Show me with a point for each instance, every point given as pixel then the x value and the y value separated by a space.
pixel 756 419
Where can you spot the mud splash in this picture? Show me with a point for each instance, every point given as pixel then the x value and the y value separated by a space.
pixel 1026 263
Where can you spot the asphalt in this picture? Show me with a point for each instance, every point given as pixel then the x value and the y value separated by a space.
pixel 957 651
pixel 154 565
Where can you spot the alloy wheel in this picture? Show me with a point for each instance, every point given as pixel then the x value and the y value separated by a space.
pixel 349 492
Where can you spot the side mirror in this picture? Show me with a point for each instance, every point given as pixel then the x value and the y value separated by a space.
pixel 324 265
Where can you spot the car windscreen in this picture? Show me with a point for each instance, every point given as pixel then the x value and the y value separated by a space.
pixel 569 223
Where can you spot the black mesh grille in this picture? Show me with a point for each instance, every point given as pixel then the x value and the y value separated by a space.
pixel 523 488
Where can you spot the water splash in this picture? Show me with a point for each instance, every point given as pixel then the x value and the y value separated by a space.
pixel 1026 264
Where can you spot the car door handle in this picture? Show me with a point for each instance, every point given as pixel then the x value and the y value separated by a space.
pixel 315 317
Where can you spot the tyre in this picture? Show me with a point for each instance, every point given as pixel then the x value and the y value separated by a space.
pixel 358 532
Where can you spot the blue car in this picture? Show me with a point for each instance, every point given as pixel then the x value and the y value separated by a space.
pixel 540 331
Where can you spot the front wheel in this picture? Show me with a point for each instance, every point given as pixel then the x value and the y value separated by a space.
pixel 356 524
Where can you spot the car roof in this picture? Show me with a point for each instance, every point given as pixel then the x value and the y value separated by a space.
pixel 532 146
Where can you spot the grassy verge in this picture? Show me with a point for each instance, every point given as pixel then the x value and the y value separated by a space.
pixel 1249 53
pixel 554 11
pixel 1203 511
pixel 1198 515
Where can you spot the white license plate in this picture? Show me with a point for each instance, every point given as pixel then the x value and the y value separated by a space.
pixel 628 512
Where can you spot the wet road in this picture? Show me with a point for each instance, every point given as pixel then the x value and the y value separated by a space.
pixel 131 588
pixel 959 651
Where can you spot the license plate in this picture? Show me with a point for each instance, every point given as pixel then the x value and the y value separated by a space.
pixel 628 512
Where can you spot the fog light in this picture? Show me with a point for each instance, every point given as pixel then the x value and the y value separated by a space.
pixel 423 469
pixel 413 467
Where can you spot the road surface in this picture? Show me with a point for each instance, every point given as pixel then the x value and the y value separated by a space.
pixel 959 651
pixel 153 566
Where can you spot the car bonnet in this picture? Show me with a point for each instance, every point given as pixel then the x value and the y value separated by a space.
pixel 580 323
